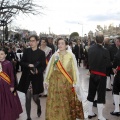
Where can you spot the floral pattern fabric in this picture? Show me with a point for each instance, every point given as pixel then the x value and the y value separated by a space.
pixel 62 102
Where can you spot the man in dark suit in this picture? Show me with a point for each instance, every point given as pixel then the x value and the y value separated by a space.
pixel 78 51
pixel 99 60
pixel 113 50
pixel 31 82
pixel 108 69
pixel 116 84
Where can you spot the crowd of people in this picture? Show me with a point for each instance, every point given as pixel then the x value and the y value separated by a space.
pixel 50 69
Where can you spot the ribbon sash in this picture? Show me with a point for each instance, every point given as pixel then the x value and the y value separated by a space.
pixel 98 73
pixel 64 72
pixel 118 68
pixel 5 77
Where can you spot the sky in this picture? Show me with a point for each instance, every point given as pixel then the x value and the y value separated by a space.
pixel 67 16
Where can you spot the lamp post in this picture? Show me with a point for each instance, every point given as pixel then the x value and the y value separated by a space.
pixel 82 28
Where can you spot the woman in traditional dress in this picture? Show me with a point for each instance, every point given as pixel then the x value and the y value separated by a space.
pixel 10 106
pixel 61 75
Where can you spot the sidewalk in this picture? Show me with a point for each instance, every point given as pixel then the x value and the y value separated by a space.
pixel 109 107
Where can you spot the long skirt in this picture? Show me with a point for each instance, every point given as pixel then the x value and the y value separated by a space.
pixel 62 102
pixel 10 106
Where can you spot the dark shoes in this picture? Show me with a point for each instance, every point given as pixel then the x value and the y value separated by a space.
pixel 91 116
pixel 39 112
pixel 42 95
pixel 29 119
pixel 99 119
pixel 108 89
pixel 115 113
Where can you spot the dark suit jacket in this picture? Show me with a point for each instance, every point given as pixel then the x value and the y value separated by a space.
pixel 116 61
pixel 98 58
pixel 113 51
pixel 32 57
pixel 108 69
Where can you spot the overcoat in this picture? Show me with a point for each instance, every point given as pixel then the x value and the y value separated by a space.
pixel 37 58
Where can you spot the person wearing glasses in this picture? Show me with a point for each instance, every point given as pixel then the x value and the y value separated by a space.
pixel 31 81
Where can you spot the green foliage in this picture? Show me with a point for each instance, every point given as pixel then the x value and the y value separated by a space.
pixel 74 35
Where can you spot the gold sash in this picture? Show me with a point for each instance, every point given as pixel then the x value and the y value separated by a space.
pixel 65 73
pixel 5 77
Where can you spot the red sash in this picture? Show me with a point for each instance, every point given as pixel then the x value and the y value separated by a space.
pixel 65 73
pixel 118 68
pixel 98 73
pixel 5 77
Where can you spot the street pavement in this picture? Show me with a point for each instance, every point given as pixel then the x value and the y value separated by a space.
pixel 84 77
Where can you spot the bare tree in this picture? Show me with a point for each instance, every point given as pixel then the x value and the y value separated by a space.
pixel 11 8
pixel 99 28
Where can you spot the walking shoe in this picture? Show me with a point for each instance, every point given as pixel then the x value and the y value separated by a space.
pixel 108 89
pixel 99 119
pixel 29 119
pixel 44 95
pixel 115 113
pixel 91 116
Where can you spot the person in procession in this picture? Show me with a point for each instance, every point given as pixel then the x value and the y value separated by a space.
pixel 78 51
pixel 31 81
pixel 48 53
pixel 99 60
pixel 50 44
pixel 43 46
pixel 108 69
pixel 10 106
pixel 113 50
pixel 61 75
pixel 116 83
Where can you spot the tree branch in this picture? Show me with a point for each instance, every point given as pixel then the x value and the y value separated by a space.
pixel 9 8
